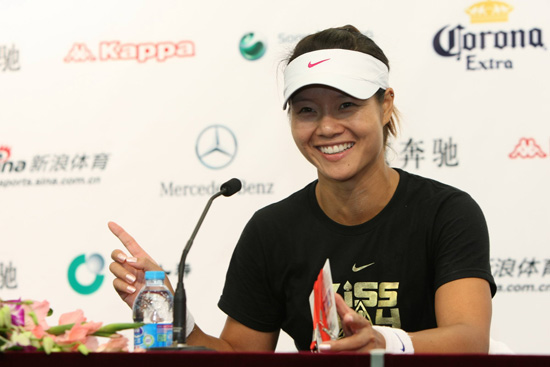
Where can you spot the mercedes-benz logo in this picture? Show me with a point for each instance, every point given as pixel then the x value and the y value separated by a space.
pixel 216 146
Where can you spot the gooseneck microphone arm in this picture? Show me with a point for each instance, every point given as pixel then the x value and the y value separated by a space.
pixel 180 299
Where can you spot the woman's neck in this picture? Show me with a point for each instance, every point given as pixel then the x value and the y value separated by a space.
pixel 357 200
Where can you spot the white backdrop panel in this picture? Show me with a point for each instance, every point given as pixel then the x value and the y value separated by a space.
pixel 89 133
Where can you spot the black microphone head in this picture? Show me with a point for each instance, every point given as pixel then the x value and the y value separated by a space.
pixel 231 187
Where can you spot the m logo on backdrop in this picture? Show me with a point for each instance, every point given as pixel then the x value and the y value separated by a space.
pixel 84 273
pixel 491 47
pixel 216 147
pixel 252 46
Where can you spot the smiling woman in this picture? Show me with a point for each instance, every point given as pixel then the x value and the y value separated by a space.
pixel 409 255
pixel 340 135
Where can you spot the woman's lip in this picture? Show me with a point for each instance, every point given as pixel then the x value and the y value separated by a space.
pixel 334 157
pixel 337 148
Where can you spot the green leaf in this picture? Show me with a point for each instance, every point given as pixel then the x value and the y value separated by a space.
pixel 48 344
pixel 23 339
pixel 5 317
pixel 82 349
pixel 108 330
pixel 59 329
pixel 34 318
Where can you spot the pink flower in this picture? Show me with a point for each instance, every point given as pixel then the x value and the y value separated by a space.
pixel 41 310
pixel 116 343
pixel 75 317
pixel 24 326
pixel 39 332
pixel 78 333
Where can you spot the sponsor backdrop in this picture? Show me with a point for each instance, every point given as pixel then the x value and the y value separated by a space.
pixel 136 112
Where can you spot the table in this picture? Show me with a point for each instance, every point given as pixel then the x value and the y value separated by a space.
pixel 207 359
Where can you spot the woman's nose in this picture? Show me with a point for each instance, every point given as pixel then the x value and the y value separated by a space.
pixel 329 126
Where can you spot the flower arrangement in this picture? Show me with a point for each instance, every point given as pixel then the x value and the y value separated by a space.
pixel 23 327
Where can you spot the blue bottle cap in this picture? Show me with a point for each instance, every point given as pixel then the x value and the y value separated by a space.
pixel 154 275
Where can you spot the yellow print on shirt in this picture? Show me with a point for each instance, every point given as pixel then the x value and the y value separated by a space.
pixel 382 296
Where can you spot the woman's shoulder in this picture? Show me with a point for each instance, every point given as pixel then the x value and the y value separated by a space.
pixel 429 192
pixel 290 206
pixel 428 186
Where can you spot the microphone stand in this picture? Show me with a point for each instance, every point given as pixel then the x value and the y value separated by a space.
pixel 180 298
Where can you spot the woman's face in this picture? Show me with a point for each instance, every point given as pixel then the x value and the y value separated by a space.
pixel 340 135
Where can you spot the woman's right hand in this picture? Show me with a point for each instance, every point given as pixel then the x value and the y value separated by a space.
pixel 129 271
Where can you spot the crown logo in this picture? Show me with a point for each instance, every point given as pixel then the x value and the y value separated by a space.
pixel 489 11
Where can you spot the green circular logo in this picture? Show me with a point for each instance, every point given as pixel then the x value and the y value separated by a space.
pixel 252 47
pixel 94 263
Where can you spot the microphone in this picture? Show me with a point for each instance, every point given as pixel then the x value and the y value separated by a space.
pixel 231 187
pixel 180 299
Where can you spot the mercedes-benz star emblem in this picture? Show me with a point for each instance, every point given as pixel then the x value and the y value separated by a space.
pixel 216 146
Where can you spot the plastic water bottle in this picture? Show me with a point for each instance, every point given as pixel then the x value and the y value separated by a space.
pixel 153 306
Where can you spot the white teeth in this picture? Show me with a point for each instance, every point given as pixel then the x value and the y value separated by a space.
pixel 335 148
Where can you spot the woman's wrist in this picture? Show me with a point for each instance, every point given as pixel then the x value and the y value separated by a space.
pixel 397 340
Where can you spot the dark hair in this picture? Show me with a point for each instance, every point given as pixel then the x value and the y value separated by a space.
pixel 349 38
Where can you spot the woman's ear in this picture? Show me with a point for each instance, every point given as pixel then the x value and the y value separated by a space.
pixel 387 105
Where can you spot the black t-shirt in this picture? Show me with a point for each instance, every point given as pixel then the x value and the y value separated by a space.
pixel 387 269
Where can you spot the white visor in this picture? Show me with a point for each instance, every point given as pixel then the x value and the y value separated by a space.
pixel 355 73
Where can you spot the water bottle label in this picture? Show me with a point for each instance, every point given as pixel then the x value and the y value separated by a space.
pixel 153 336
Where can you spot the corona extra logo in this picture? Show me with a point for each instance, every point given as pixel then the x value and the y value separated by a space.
pixel 489 12
pixel 484 49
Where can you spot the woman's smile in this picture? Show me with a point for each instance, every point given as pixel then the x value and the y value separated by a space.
pixel 335 149
pixel 340 135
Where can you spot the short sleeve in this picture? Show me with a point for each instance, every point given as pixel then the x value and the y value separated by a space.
pixel 248 295
pixel 461 241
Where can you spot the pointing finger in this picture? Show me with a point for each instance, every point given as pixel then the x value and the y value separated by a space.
pixel 128 241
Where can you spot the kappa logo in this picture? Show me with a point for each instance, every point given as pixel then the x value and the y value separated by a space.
pixel 310 65
pixel 216 146
pixel 527 148
pixel 141 52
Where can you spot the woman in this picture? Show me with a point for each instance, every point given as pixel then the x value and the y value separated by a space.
pixel 408 254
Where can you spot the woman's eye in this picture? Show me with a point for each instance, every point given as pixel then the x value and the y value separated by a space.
pixel 305 110
pixel 346 105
